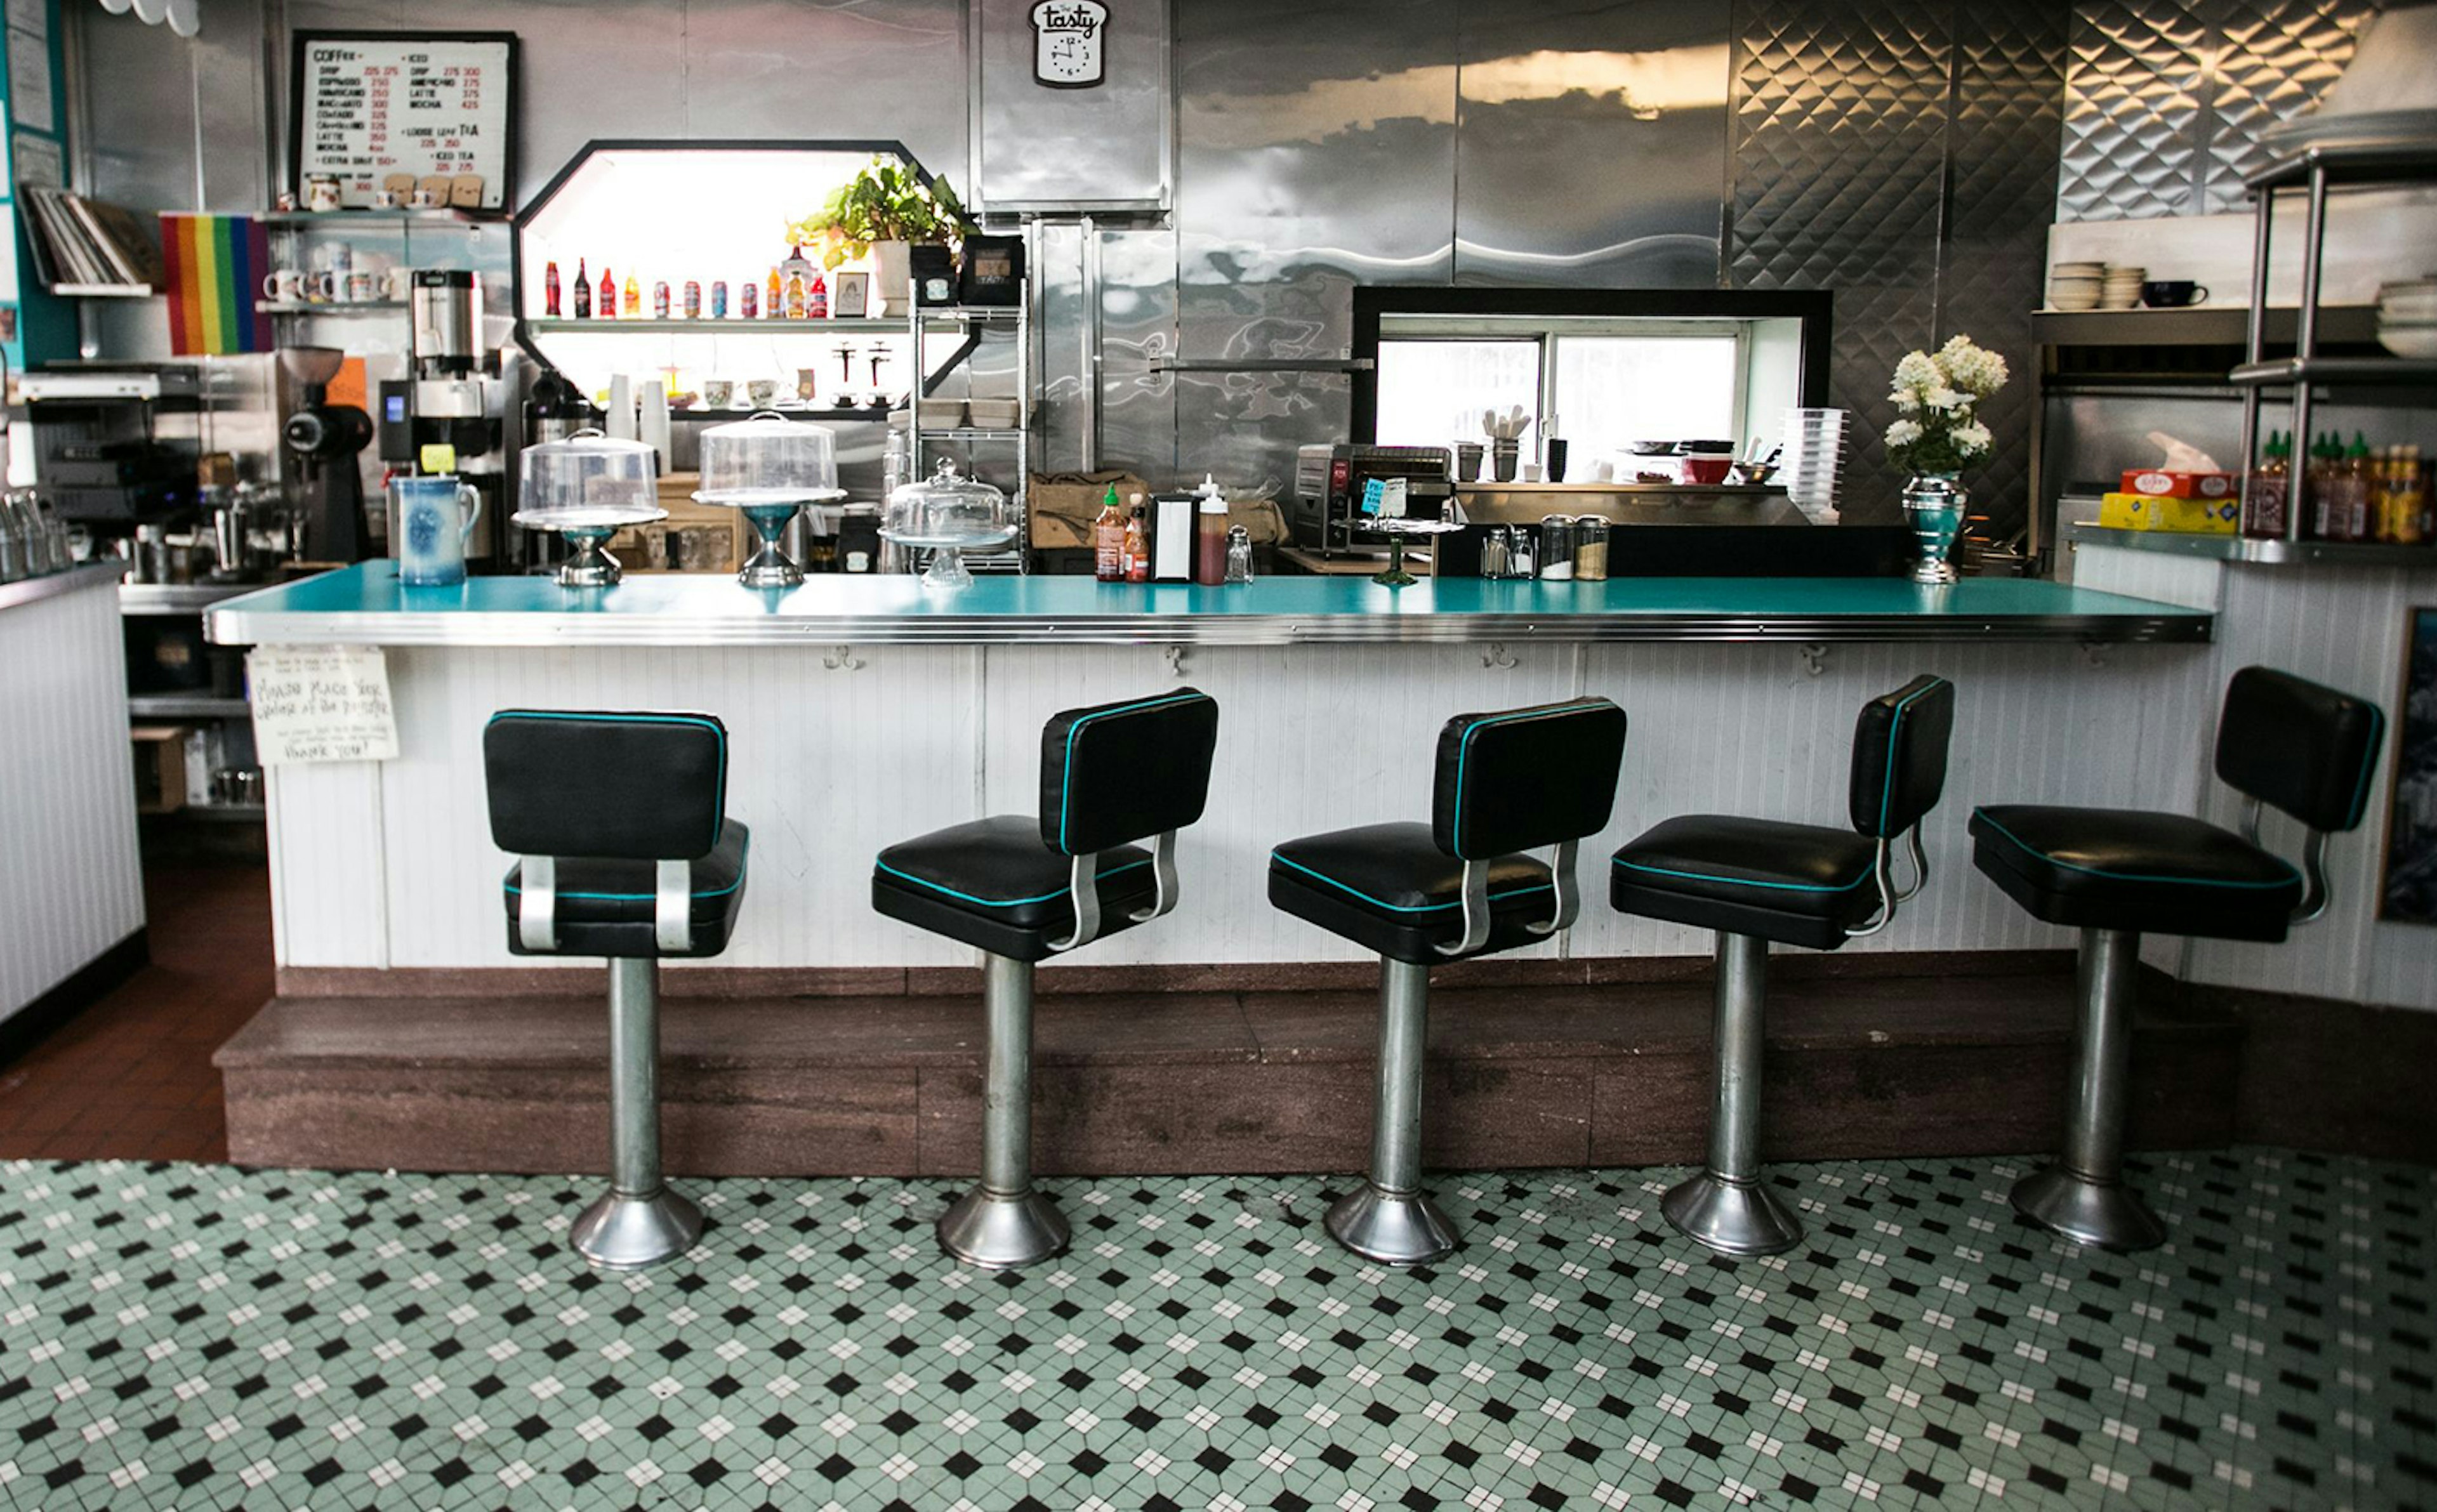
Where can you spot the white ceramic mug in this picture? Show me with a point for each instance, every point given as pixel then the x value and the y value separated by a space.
pixel 718 394
pixel 397 284
pixel 285 285
pixel 386 199
pixel 433 518
pixel 363 286
pixel 320 193
pixel 426 199
pixel 763 391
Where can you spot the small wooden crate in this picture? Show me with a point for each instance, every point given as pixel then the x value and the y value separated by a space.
pixel 160 752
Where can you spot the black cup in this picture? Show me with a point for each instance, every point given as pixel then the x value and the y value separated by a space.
pixel 2172 294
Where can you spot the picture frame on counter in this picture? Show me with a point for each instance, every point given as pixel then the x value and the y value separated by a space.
pixel 2407 891
pixel 850 295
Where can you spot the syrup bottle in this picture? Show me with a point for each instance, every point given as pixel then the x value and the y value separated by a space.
pixel 1137 548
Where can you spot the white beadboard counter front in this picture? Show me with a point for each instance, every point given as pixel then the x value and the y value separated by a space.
pixel 844 743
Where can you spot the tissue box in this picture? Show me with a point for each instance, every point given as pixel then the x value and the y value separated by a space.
pixel 2160 484
pixel 2150 512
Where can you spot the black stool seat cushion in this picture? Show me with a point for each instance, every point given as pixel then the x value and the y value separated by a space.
pixel 996 884
pixel 1389 888
pixel 605 906
pixel 1796 884
pixel 2124 869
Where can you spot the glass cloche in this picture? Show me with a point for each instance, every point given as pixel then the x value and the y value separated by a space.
pixel 588 487
pixel 769 467
pixel 948 515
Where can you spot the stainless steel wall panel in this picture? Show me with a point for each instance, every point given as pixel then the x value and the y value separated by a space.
pixel 838 68
pixel 1137 298
pixel 2164 99
pixel 2003 136
pixel 1039 147
pixel 1840 166
pixel 140 113
pixel 1557 101
pixel 2133 92
pixel 2273 58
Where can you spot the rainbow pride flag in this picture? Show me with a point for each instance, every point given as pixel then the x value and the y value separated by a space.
pixel 215 266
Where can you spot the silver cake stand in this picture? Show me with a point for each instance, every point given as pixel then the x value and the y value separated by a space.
pixel 1399 531
pixel 948 569
pixel 769 510
pixel 588 529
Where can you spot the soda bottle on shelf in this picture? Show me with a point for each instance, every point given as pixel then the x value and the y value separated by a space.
pixel 583 293
pixel 550 287
pixel 775 301
pixel 1109 540
pixel 607 302
pixel 631 301
pixel 818 304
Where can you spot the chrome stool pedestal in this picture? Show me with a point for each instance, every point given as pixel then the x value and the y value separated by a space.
pixel 1724 1207
pixel 2082 1197
pixel 639 1221
pixel 1388 1219
pixel 1002 1222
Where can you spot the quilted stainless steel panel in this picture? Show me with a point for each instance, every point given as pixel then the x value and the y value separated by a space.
pixel 1840 165
pixel 2005 134
pixel 1558 98
pixel 2164 99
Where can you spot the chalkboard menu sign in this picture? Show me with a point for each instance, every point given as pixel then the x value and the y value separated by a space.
pixel 369 108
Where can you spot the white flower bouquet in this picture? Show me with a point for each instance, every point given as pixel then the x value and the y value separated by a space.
pixel 1937 395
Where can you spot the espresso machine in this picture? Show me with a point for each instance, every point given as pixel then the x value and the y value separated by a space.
pixel 324 437
pixel 455 395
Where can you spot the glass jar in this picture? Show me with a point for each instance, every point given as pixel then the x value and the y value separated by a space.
pixel 1240 555
pixel 1556 548
pixel 1590 548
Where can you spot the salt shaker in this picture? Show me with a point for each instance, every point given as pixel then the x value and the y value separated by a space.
pixel 1497 553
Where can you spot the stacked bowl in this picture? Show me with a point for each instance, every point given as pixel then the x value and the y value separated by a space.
pixel 2406 317
pixel 2119 288
pixel 1815 462
pixel 2076 286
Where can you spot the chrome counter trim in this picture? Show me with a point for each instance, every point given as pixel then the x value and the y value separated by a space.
pixel 51 585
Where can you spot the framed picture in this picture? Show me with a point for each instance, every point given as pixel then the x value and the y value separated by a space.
pixel 366 106
pixel 2410 892
pixel 850 295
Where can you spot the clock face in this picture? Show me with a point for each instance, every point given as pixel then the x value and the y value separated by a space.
pixel 1067 38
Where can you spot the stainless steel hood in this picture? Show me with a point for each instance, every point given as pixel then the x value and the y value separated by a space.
pixel 1102 147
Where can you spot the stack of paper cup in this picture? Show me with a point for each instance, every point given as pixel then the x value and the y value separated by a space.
pixel 1815 462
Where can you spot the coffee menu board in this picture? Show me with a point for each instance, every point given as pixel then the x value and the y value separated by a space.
pixel 366 106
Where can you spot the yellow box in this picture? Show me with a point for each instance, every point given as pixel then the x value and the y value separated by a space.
pixel 2190 516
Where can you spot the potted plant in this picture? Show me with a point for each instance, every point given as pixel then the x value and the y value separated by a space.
pixel 874 217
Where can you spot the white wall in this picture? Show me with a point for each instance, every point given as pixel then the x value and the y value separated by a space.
pixel 70 885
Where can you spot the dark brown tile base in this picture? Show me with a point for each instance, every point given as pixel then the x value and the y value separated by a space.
pixel 1197 1081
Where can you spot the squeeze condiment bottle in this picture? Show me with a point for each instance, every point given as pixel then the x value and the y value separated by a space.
pixel 1109 540
pixel 1210 536
pixel 1137 548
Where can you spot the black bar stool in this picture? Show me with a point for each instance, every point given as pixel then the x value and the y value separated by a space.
pixel 626 852
pixel 1025 889
pixel 2116 874
pixel 1448 891
pixel 1755 880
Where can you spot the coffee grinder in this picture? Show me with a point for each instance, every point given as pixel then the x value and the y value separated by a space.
pixel 452 396
pixel 324 437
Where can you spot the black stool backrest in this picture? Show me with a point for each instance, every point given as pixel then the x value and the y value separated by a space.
pixel 623 787
pixel 1119 773
pixel 1899 756
pixel 2308 749
pixel 1526 778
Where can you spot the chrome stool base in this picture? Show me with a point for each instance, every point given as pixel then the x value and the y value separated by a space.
pixel 998 1232
pixel 2105 1213
pixel 1731 1217
pixel 620 1232
pixel 1392 1228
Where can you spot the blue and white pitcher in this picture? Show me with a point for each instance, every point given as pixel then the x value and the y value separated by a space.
pixel 431 521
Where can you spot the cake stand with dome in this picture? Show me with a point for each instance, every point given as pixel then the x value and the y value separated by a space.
pixel 588 488
pixel 769 467
pixel 948 516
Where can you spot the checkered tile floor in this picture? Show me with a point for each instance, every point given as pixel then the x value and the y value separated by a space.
pixel 186 1336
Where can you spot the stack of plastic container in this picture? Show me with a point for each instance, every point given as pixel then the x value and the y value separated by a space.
pixel 1815 462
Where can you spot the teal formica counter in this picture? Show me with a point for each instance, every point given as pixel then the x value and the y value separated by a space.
pixel 366 605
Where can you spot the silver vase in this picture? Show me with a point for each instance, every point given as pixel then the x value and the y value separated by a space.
pixel 1933 505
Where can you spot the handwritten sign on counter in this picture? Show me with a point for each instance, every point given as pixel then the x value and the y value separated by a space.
pixel 321 704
